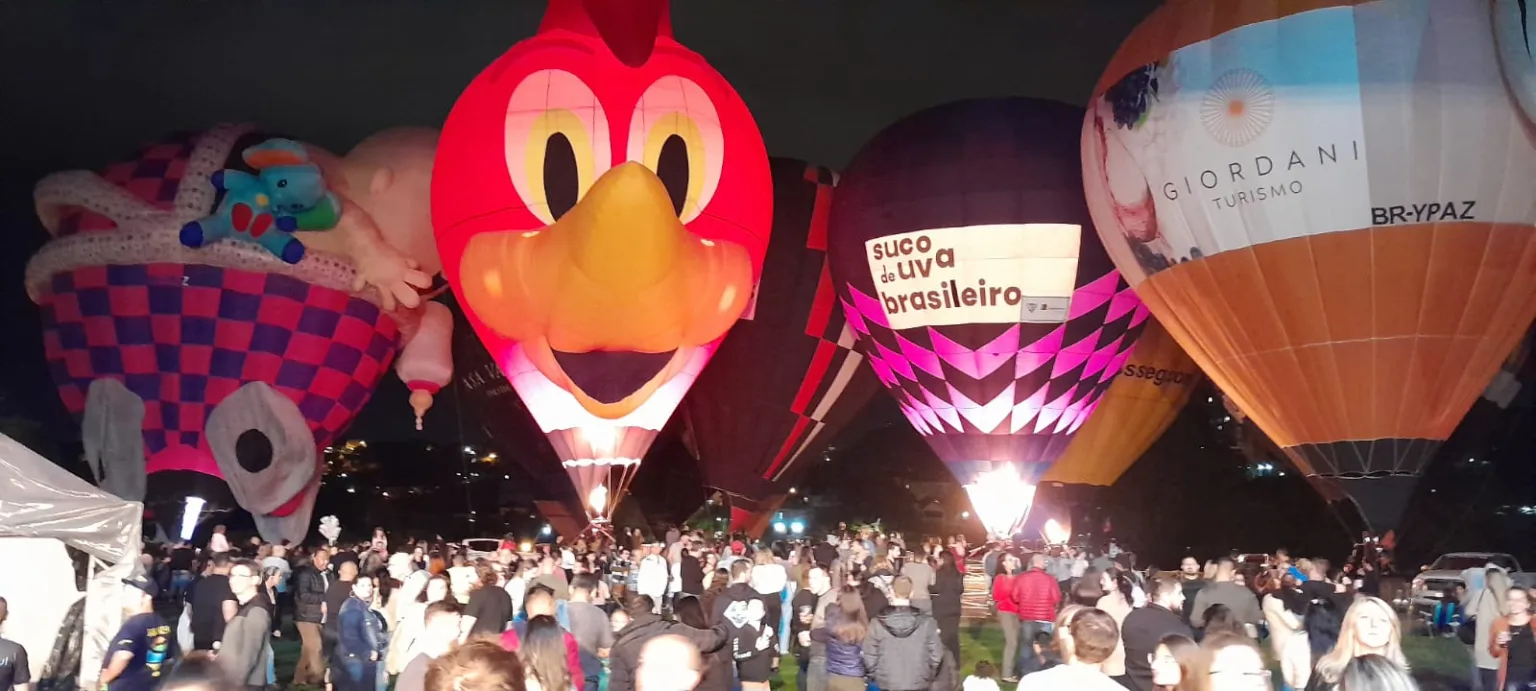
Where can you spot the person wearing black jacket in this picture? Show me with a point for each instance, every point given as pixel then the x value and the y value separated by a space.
pixel 644 625
pixel 309 585
pixel 213 604
pixel 948 585
pixel 752 637
pixel 1145 626
pixel 691 573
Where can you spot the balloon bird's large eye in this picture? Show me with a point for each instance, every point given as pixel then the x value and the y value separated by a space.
pixel 263 446
pixel 557 141
pixel 676 133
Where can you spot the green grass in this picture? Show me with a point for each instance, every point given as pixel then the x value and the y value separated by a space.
pixel 1442 659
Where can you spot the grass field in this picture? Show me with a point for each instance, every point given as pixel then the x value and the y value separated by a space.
pixel 1440 659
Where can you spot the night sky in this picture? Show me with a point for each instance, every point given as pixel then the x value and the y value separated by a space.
pixel 84 83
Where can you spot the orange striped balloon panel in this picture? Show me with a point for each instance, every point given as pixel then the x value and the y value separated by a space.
pixel 1329 205
pixel 1145 397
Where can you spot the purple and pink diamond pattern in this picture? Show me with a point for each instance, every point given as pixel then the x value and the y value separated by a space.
pixel 1011 398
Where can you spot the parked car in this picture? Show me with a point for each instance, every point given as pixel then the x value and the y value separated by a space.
pixel 1439 581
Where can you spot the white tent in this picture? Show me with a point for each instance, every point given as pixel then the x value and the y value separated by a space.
pixel 42 508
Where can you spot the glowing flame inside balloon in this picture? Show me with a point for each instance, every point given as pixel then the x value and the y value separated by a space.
pixel 192 511
pixel 1056 533
pixel 597 499
pixel 1001 499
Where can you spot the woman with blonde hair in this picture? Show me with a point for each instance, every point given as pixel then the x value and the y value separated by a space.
pixel 1487 605
pixel 1233 663
pixel 1370 627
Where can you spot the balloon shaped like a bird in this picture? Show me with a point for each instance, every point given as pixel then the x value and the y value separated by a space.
pixel 601 202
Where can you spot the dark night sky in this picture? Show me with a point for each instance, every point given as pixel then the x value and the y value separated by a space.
pixel 85 82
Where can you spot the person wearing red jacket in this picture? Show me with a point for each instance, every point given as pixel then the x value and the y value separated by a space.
pixel 1007 612
pixel 540 601
pixel 1036 595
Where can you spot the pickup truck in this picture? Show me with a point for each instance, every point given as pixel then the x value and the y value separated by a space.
pixel 1438 582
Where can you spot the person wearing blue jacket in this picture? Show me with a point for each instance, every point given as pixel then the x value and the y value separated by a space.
pixel 847 626
pixel 360 641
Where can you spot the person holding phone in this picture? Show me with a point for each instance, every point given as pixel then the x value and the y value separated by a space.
pixel 1511 642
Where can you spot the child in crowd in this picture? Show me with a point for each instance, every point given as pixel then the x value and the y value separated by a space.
pixel 983 679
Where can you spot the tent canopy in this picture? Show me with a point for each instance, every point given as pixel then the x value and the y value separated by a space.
pixel 40 499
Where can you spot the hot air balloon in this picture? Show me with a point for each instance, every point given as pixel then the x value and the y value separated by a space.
pixel 787 377
pixel 1328 205
pixel 602 203
pixel 965 260
pixel 1147 394
pixel 212 376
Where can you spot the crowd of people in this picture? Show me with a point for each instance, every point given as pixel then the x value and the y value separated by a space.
pixel 858 610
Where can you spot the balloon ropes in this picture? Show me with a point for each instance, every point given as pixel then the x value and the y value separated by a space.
pixel 787 377
pixel 965 260
pixel 1343 246
pixel 602 214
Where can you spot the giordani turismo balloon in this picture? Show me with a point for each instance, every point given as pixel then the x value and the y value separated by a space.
pixel 601 202
pixel 1328 204
pixel 965 260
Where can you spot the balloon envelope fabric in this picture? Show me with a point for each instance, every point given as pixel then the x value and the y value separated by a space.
pixel 1328 205
pixel 965 259
pixel 787 377
pixel 191 379
pixel 1147 394
pixel 601 204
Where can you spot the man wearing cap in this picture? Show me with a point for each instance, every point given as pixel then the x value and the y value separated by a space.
pixel 139 653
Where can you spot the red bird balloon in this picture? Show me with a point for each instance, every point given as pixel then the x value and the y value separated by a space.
pixel 602 202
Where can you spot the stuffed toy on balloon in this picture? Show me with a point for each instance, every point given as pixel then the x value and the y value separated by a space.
pixel 330 529
pixel 221 371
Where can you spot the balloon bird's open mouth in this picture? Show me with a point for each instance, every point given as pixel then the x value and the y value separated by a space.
pixel 611 376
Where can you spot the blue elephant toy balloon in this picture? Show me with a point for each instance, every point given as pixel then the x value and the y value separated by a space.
pixel 287 193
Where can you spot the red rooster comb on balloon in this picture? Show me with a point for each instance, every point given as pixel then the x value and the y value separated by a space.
pixel 630 28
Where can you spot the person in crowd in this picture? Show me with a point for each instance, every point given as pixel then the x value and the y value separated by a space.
pixel 1484 600
pixel 141 652
pixel 769 578
pixel 551 576
pixel 1039 654
pixel 15 673
pixel 668 662
pixel 439 633
pixel 1237 599
pixel 819 582
pixel 743 613
pixel 589 626
pixel 1146 626
pixel 1379 673
pixel 407 621
pixel 902 651
pixel 489 609
pixel 540 602
pixel 948 587
pixel 463 577
pixel 1116 601
pixel 921 573
pixel 218 543
pixel 644 625
pixel 360 640
pixel 310 583
pixel 1370 627
pixel 982 678
pixel 690 571
pixel 543 652
pixel 1234 663
pixel 336 595
pixel 654 574
pixel 1007 613
pixel 248 635
pixel 197 671
pixel 213 603
pixel 478 665
pixel 1321 620
pixel 847 626
pixel 1036 595
pixel 1282 622
pixel 1191 579
pixel 1511 642
pixel 1219 618
pixel 1088 590
pixel 180 566
pixel 1177 665
pixel 1088 641
pixel 719 669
